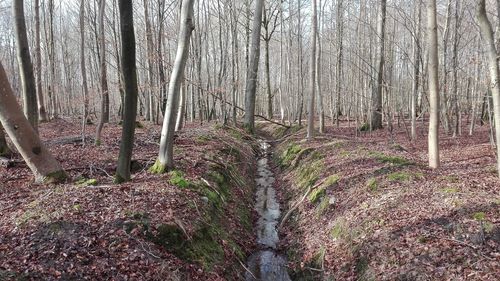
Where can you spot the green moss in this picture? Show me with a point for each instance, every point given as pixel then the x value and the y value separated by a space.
pixel 449 190
pixel 205 247
pixel 290 154
pixel 317 194
pixel 203 139
pixel 393 160
pixel 451 178
pixel 158 168
pixel 55 177
pixel 323 206
pixel 177 178
pixel 171 237
pixel 365 127
pixel 399 176
pixel 308 174
pixel 98 142
pixel 479 216
pixel 331 180
pixel 86 182
pixel 319 258
pixel 372 184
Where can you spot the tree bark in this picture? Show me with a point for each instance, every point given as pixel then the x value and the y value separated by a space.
pixel 103 75
pixel 4 148
pixel 25 65
pixel 253 68
pixel 487 32
pixel 433 69
pixel 42 113
pixel 44 166
pixel 83 69
pixel 312 81
pixel 376 120
pixel 130 82
pixel 166 158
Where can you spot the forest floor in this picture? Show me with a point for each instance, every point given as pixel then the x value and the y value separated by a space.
pixel 373 210
pixel 191 224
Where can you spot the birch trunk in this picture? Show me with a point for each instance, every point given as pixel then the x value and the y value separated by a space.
pixel 433 69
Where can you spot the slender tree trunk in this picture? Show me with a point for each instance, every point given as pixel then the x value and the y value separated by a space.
pixel 487 32
pixel 376 120
pixel 433 70
pixel 44 166
pixel 253 68
pixel 38 54
pixel 25 65
pixel 312 69
pixel 103 75
pixel 340 42
pixel 416 72
pixel 318 76
pixel 83 69
pixel 166 158
pixel 179 123
pixel 130 80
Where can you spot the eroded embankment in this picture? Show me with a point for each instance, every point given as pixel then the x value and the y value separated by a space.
pixel 366 210
pixel 194 223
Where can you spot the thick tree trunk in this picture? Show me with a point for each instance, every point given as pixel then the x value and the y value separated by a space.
pixel 166 158
pixel 43 165
pixel 433 69
pixel 487 32
pixel 253 68
pixel 376 120
pixel 25 65
pixel 128 58
pixel 312 69
pixel 4 148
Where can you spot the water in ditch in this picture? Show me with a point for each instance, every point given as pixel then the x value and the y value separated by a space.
pixel 266 264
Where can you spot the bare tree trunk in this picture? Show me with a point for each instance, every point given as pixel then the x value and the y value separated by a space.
pixel 104 75
pixel 44 166
pixel 416 72
pixel 84 71
pixel 312 81
pixel 25 65
pixel 166 158
pixel 4 148
pixel 340 42
pixel 318 77
pixel 433 70
pixel 253 68
pixel 487 32
pixel 182 108
pixel 38 53
pixel 376 120
pixel 150 54
pixel 130 80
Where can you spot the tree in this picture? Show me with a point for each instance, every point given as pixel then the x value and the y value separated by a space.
pixel 253 68
pixel 376 120
pixel 487 33
pixel 104 74
pixel 433 69
pixel 83 70
pixel 165 159
pixel 25 65
pixel 4 148
pixel 312 81
pixel 130 81
pixel 38 63
pixel 44 166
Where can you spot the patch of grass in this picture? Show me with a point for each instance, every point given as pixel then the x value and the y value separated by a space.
pixel 372 184
pixel 339 230
pixel 178 179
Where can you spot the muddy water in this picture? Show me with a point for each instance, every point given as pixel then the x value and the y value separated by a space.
pixel 266 263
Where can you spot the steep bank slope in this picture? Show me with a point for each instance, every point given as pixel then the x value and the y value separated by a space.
pixel 194 223
pixel 373 211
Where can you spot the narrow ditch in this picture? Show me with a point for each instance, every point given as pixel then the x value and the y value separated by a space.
pixel 266 263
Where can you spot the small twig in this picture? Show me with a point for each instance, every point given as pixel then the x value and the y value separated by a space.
pixel 214 189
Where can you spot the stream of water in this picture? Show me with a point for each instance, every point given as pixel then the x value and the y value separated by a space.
pixel 266 264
